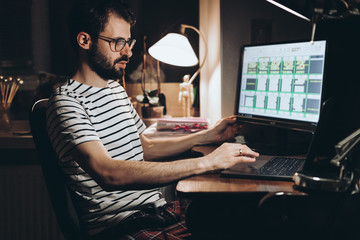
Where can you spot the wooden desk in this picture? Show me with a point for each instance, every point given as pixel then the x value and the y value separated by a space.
pixel 19 137
pixel 17 145
pixel 213 184
pixel 229 208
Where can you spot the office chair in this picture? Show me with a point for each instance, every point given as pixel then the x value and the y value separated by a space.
pixel 61 198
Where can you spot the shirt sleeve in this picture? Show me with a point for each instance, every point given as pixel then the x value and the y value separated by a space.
pixel 138 122
pixel 68 124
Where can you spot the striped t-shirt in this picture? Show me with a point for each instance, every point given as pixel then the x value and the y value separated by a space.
pixel 79 113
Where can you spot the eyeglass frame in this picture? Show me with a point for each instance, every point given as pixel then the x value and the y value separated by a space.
pixel 132 42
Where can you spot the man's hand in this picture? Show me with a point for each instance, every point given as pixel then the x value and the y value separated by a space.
pixel 223 130
pixel 227 155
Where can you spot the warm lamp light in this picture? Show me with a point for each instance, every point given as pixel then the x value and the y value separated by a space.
pixel 175 49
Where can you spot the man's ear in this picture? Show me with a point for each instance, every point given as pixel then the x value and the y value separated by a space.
pixel 84 40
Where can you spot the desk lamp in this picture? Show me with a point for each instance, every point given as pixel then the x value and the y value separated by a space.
pixel 315 10
pixel 175 49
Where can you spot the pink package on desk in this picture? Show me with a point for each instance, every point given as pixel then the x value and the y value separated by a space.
pixel 185 124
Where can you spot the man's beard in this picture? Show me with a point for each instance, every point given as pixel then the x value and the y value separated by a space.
pixel 104 68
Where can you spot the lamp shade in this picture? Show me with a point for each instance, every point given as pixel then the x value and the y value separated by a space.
pixel 174 49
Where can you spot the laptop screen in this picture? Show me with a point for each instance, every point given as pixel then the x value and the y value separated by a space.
pixel 281 84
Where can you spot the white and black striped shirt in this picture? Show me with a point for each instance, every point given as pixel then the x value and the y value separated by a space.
pixel 79 113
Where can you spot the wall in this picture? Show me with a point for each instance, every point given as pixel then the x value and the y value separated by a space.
pixel 236 19
pixel 210 84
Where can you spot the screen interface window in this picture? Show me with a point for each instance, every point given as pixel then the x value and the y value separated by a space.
pixel 283 80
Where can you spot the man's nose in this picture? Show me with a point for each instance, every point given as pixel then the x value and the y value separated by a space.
pixel 126 50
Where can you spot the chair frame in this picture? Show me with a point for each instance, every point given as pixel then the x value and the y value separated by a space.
pixel 62 199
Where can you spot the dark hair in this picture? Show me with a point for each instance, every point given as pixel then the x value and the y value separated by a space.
pixel 91 16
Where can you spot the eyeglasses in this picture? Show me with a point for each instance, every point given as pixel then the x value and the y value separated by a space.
pixel 116 45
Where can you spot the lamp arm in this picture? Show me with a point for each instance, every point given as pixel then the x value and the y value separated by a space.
pixel 183 27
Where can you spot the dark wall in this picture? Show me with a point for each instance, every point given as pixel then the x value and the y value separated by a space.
pixel 62 57
pixel 15 37
pixel 246 21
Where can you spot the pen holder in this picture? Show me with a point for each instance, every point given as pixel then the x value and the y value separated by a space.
pixel 8 89
pixel 5 124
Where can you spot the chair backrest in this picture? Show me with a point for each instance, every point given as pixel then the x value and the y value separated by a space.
pixel 62 200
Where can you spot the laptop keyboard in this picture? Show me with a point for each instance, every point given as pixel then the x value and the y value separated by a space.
pixel 282 166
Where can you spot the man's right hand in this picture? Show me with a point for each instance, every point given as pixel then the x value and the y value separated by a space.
pixel 227 155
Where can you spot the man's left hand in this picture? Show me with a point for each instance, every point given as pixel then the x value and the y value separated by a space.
pixel 225 129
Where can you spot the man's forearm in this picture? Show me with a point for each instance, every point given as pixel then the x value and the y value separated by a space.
pixel 113 174
pixel 132 175
pixel 162 147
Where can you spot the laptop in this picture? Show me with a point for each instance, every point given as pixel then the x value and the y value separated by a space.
pixel 282 168
pixel 280 85
pixel 267 168
pixel 338 111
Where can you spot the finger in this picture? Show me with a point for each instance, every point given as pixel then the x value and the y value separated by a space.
pixel 244 150
pixel 245 159
pixel 231 117
pixel 240 152
pixel 250 153
pixel 230 120
pixel 247 147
